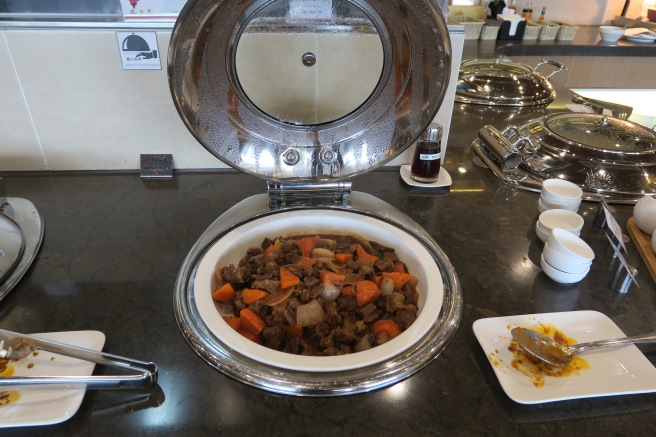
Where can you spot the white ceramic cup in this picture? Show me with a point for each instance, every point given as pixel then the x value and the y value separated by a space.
pixel 560 190
pixel 563 263
pixel 553 204
pixel 559 275
pixel 561 218
pixel 644 214
pixel 543 234
pixel 570 246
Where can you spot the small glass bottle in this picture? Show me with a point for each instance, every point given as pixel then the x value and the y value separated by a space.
pixel 527 12
pixel 544 11
pixel 427 158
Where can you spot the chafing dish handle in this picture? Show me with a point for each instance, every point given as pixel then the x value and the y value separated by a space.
pixel 498 143
pixel 558 65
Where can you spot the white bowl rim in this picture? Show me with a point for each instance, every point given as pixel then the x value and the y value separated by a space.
pixel 554 259
pixel 561 218
pixel 570 245
pixel 228 250
pixel 565 277
pixel 561 190
pixel 542 233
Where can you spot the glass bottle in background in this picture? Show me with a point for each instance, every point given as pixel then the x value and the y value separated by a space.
pixel 527 12
pixel 544 11
pixel 427 158
pixel 511 5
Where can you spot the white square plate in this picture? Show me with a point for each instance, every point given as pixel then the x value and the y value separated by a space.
pixel 613 371
pixel 54 404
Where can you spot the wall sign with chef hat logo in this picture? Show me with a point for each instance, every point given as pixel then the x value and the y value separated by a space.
pixel 138 50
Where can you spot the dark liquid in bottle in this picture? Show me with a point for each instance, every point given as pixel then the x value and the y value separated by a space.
pixel 426 161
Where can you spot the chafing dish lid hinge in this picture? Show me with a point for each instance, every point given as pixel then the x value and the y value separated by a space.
pixel 283 194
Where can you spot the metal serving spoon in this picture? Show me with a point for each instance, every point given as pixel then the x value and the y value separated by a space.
pixel 552 352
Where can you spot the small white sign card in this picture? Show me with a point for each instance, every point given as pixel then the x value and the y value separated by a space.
pixel 613 225
pixel 621 258
pixel 139 50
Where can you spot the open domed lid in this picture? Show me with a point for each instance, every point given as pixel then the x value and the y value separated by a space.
pixel 291 90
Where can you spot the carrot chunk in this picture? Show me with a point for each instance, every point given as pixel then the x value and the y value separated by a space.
pixel 388 326
pixel 288 279
pixel 306 245
pixel 294 330
pixel 224 292
pixel 328 276
pixel 343 257
pixel 348 291
pixel 251 295
pixel 251 322
pixel 269 250
pixel 303 262
pixel 365 258
pixel 252 337
pixel 366 292
pixel 399 278
pixel 234 322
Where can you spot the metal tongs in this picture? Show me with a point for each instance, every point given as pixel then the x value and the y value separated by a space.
pixel 15 346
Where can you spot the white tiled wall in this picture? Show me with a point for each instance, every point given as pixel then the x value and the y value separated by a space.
pixel 87 112
pixel 67 104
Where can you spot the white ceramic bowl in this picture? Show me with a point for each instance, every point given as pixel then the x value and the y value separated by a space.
pixel 543 234
pixel 232 246
pixel 611 33
pixel 570 246
pixel 559 275
pixel 560 190
pixel 563 263
pixel 644 214
pixel 561 218
pixel 552 204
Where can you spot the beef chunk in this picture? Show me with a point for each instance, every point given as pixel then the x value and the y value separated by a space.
pixel 269 285
pixel 405 318
pixel 272 336
pixel 370 313
pixel 236 275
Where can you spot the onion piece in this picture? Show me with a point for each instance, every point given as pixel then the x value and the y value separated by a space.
pixel 331 265
pixel 280 296
pixel 386 286
pixel 319 252
pixel 310 314
pixel 225 309
pixel 325 242
pixel 362 345
pixel 330 291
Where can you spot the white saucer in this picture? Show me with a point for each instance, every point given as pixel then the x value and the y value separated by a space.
pixel 443 179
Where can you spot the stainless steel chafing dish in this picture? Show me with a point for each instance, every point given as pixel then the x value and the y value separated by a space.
pixel 21 233
pixel 607 157
pixel 307 99
pixel 501 82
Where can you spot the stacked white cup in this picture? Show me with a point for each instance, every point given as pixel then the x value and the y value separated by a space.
pixel 558 218
pixel 559 194
pixel 566 258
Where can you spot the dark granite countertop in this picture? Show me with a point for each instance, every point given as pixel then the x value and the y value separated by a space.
pixel 114 243
pixel 586 42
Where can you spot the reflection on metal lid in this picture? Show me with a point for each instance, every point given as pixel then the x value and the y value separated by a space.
pixel 601 132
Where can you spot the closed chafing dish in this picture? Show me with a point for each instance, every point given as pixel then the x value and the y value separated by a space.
pixel 501 82
pixel 607 157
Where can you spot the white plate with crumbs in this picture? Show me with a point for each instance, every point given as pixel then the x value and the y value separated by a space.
pixel 55 404
pixel 603 372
